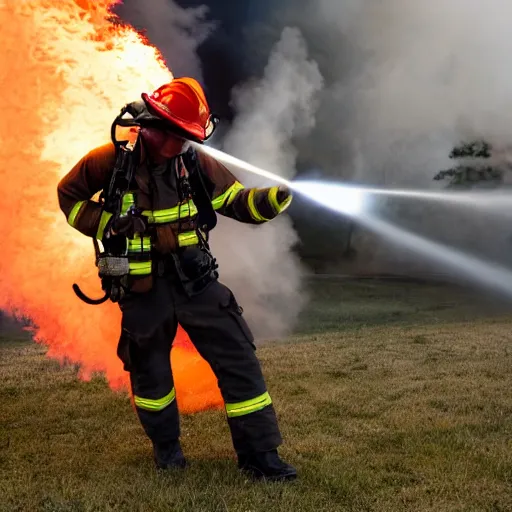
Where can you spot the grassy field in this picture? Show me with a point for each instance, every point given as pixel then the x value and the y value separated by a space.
pixel 392 397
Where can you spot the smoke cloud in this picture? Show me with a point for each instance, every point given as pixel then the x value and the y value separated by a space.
pixel 434 74
pixel 258 262
pixel 431 75
pixel 175 31
pixel 405 82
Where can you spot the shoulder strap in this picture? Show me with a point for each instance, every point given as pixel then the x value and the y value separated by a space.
pixel 202 198
pixel 126 158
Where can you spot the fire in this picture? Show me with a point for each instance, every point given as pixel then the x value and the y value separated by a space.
pixel 67 69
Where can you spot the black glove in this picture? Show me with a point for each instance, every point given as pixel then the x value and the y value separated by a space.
pixel 283 194
pixel 128 225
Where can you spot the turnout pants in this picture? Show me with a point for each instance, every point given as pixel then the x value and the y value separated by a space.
pixel 213 321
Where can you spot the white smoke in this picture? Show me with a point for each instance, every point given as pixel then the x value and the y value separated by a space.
pixel 405 82
pixel 435 73
pixel 257 262
pixel 175 31
pixel 274 110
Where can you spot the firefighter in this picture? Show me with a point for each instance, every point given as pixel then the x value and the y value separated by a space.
pixel 172 275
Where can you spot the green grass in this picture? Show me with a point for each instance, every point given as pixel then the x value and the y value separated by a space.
pixel 340 304
pixel 398 398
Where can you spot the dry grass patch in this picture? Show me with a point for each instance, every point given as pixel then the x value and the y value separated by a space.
pixel 391 417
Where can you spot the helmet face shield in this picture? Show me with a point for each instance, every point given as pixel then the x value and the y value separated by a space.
pixel 213 121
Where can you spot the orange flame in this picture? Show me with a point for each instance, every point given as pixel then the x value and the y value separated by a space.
pixel 67 68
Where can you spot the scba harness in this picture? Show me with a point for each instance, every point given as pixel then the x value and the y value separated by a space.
pixel 194 266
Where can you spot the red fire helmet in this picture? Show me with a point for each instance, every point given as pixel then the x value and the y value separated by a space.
pixel 182 103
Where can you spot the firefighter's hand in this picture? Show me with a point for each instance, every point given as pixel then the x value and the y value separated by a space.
pixel 283 193
pixel 128 225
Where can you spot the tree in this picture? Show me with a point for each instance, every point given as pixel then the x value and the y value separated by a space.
pixel 473 166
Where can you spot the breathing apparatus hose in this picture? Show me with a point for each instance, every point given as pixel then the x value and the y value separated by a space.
pixel 93 302
pixel 125 167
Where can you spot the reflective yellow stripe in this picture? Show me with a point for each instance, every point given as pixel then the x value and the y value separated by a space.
pixel 249 406
pixel 171 214
pixel 140 268
pixel 127 202
pixel 139 245
pixel 105 217
pixel 187 239
pixel 228 197
pixel 255 214
pixel 74 213
pixel 272 197
pixel 286 203
pixel 155 405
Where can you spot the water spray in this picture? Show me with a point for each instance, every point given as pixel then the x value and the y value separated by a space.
pixel 241 164
pixel 353 201
pixel 349 198
pixel 493 201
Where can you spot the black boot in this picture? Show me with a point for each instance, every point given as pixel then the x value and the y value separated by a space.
pixel 266 466
pixel 169 455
